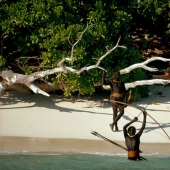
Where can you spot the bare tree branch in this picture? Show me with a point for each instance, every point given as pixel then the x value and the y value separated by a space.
pixel 143 65
pixel 99 60
pixel 60 64
pixel 35 89
pixel 146 82
pixel 73 45
pixel 10 77
pixel 141 83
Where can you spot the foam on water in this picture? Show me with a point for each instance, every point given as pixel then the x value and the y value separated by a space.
pixel 29 152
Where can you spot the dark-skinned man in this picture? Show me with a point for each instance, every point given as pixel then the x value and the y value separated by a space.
pixel 132 139
pixel 118 93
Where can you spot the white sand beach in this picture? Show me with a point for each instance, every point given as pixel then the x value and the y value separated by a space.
pixel 56 123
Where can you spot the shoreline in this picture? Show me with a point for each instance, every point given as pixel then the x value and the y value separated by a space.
pixel 29 145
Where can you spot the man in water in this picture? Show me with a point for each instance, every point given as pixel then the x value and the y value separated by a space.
pixel 118 93
pixel 132 139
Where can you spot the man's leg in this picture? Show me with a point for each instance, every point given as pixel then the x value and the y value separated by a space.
pixel 114 107
pixel 117 117
pixel 115 123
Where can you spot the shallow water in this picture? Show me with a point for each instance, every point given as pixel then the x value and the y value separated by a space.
pixel 80 161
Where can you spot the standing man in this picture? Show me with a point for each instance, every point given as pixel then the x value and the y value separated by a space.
pixel 132 139
pixel 118 93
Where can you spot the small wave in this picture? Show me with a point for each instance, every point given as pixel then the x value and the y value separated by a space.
pixel 104 153
pixel 155 154
pixel 150 154
pixel 29 152
pixel 25 151
pixel 6 151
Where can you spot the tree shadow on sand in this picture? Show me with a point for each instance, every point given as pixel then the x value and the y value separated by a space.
pixel 100 99
pixel 12 98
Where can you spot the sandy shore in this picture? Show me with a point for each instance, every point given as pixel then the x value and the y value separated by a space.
pixel 55 123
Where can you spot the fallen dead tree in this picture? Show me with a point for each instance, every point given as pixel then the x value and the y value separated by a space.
pixel 9 78
pixel 26 83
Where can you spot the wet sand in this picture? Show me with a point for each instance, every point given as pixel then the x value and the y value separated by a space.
pixel 25 144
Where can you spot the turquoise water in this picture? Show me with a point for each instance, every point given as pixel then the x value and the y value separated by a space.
pixel 80 161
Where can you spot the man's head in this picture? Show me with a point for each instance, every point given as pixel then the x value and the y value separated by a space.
pixel 116 75
pixel 131 130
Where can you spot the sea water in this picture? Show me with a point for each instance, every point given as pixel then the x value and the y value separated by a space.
pixel 80 161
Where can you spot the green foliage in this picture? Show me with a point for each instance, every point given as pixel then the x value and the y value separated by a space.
pixel 2 61
pixel 28 70
pixel 157 11
pixel 40 27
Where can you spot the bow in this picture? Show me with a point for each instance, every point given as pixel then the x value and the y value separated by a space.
pixel 112 101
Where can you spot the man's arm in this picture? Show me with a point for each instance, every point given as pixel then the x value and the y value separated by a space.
pixel 129 94
pixel 125 126
pixel 103 79
pixel 143 124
